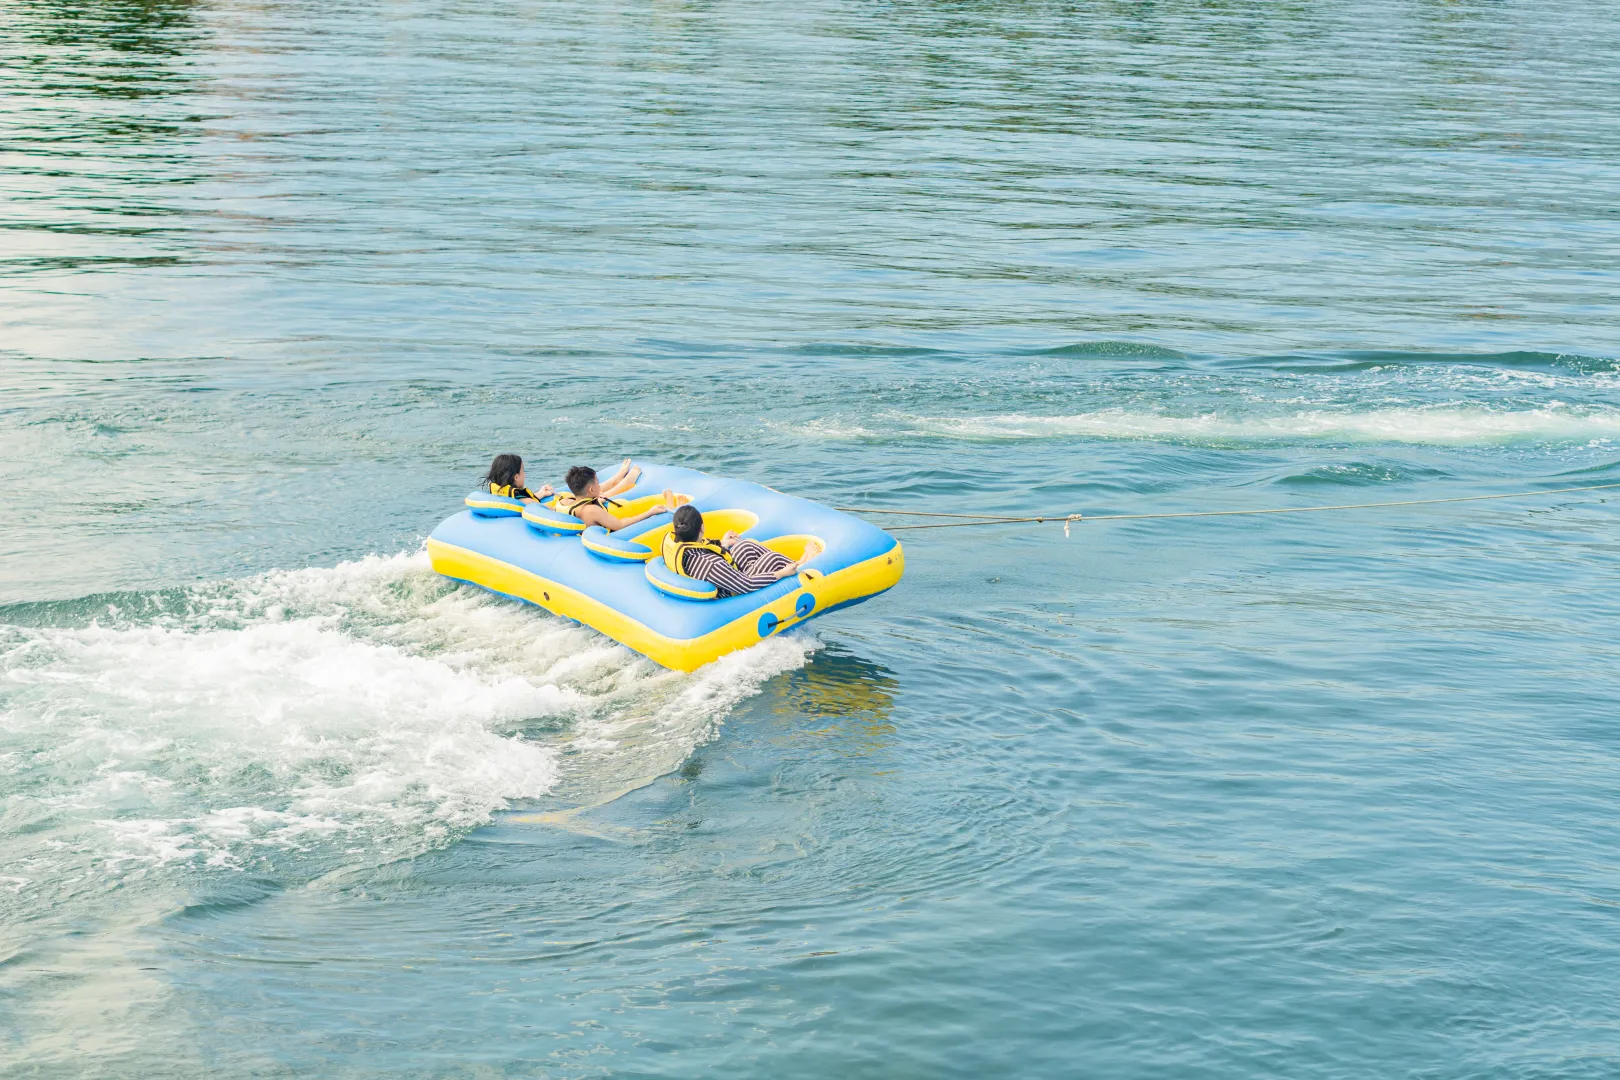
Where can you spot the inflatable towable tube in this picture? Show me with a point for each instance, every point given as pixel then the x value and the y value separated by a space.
pixel 617 582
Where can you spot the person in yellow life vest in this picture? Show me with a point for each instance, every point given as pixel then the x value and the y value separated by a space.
pixel 733 564
pixel 587 502
pixel 505 477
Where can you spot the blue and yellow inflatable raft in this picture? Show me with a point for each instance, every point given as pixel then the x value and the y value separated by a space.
pixel 617 583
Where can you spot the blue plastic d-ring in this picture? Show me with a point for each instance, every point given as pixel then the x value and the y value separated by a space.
pixel 767 624
pixel 805 605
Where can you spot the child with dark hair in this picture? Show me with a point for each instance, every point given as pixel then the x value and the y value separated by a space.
pixel 733 565
pixel 505 477
pixel 588 502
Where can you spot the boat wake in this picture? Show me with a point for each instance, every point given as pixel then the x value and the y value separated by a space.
pixel 295 722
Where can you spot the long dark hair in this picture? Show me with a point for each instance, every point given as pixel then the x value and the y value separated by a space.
pixel 504 470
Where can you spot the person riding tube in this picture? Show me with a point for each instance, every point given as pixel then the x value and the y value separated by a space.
pixel 587 502
pixel 506 478
pixel 734 565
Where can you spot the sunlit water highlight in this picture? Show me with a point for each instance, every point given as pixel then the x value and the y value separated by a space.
pixel 1325 796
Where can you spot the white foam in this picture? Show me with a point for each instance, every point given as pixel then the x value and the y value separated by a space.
pixel 311 710
pixel 657 725
pixel 172 728
pixel 302 725
pixel 1429 426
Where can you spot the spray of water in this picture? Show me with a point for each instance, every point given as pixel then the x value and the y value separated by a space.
pixel 295 723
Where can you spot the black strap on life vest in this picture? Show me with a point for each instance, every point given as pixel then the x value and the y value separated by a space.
pixel 574 502
pixel 511 491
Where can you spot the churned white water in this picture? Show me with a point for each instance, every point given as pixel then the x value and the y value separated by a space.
pixel 295 726
pixel 271 715
pixel 363 712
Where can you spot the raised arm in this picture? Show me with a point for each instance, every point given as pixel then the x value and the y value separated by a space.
pixel 665 507
pixel 613 523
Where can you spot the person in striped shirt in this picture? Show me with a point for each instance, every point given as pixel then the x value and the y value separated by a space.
pixel 734 565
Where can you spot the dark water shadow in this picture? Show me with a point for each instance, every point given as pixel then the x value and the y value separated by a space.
pixel 129 49
pixel 98 122
pixel 842 698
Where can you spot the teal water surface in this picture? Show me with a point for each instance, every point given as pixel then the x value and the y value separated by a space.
pixel 1301 796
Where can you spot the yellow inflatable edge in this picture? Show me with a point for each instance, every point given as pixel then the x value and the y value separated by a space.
pixel 856 582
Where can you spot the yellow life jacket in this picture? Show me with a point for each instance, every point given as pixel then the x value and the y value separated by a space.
pixel 511 491
pixel 675 551
pixel 570 504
